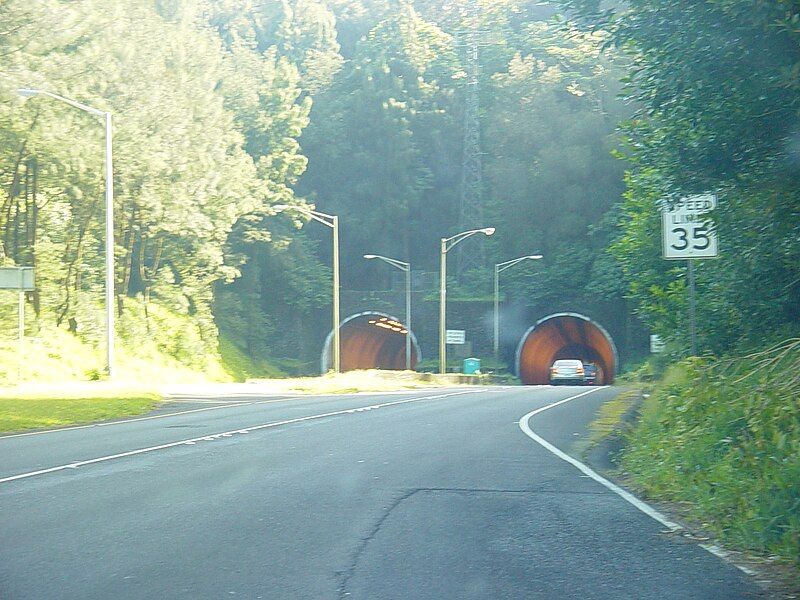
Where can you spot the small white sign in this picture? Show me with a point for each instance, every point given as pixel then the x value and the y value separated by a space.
pixel 687 231
pixel 657 345
pixel 17 278
pixel 455 336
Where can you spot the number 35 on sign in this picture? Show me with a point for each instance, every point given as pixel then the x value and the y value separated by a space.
pixel 688 231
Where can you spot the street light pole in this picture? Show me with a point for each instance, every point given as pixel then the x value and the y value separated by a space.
pixel 331 221
pixel 447 245
pixel 497 269
pixel 337 341
pixel 443 307
pixel 109 226
pixel 406 268
pixel 109 251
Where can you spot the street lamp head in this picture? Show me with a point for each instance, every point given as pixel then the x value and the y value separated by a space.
pixel 278 208
pixel 27 92
pixel 535 256
pixel 488 230
pixel 368 256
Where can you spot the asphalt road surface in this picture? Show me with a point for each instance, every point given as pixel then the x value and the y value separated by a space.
pixel 431 494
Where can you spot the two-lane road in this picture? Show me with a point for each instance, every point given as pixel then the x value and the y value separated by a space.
pixel 431 494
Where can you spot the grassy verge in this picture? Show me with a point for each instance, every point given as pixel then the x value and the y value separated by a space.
pixel 242 367
pixel 46 406
pixel 610 418
pixel 350 382
pixel 723 439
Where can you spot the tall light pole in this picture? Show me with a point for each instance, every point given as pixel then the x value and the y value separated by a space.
pixel 28 93
pixel 497 269
pixel 331 221
pixel 447 245
pixel 406 268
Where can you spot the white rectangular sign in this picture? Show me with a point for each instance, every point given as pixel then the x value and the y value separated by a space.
pixel 657 345
pixel 16 278
pixel 456 336
pixel 687 231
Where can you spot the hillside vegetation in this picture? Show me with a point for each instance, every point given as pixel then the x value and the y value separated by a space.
pixel 223 109
pixel 723 436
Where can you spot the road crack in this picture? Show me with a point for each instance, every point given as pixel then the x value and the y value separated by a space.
pixel 348 573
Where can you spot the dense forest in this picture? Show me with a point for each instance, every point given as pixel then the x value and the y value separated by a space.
pixel 590 118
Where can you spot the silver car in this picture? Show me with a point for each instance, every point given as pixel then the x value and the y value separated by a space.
pixel 567 371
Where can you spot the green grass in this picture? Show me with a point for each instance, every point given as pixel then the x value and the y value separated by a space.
pixel 609 419
pixel 724 438
pixel 55 407
pixel 241 366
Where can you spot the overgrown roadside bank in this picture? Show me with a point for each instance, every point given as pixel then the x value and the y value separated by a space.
pixel 719 442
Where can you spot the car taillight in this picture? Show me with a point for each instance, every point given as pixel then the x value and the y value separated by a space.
pixel 580 370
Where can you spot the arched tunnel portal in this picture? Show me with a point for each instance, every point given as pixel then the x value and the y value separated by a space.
pixel 565 335
pixel 371 340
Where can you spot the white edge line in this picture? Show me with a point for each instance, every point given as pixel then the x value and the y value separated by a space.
pixel 524 424
pixel 726 556
pixel 212 436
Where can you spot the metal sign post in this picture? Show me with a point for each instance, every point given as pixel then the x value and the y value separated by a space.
pixel 692 308
pixel 21 280
pixel 688 234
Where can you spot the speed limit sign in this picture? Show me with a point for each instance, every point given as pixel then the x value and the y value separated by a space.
pixel 688 231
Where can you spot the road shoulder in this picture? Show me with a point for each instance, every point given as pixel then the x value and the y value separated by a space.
pixel 605 440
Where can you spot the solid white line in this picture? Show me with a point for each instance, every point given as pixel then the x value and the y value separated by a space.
pixel 524 424
pixel 206 401
pixel 190 441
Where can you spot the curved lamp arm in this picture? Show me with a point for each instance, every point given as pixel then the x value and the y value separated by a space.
pixel 510 263
pixel 403 266
pixel 448 243
pixel 29 92
pixel 321 217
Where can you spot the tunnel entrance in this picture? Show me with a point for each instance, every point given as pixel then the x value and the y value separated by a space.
pixel 565 335
pixel 371 340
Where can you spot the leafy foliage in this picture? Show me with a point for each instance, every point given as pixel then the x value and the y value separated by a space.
pixel 551 123
pixel 204 135
pixel 724 437
pixel 715 84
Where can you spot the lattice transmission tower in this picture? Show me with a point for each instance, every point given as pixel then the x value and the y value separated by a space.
pixel 472 254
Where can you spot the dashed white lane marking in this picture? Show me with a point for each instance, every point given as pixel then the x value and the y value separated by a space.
pixel 220 404
pixel 204 438
pixel 525 425
pixel 120 422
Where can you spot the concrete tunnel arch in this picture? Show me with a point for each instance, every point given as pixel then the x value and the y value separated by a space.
pixel 565 335
pixel 366 345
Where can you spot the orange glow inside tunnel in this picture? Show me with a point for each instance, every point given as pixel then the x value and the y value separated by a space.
pixel 560 336
pixel 371 340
